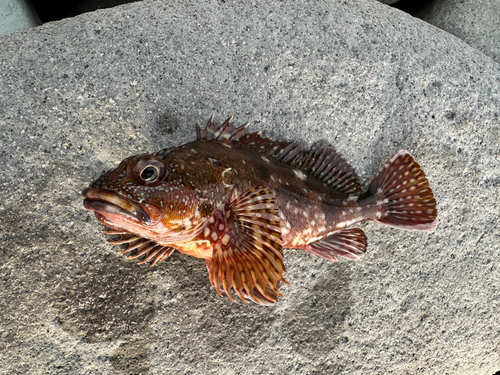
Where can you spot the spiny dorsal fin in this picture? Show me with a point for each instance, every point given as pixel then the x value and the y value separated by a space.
pixel 283 151
pixel 142 246
pixel 326 165
pixel 247 256
pixel 224 133
pixel 321 161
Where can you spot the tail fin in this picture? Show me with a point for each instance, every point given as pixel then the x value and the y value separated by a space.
pixel 404 198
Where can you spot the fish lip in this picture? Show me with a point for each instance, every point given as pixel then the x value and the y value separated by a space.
pixel 107 201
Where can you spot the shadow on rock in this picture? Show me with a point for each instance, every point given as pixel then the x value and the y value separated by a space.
pixel 167 123
pixel 131 358
pixel 107 301
pixel 315 326
pixel 192 318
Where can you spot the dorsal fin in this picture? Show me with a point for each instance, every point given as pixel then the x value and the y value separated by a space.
pixel 283 151
pixel 325 164
pixel 224 133
pixel 321 162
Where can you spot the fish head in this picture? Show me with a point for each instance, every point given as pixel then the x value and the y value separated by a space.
pixel 138 197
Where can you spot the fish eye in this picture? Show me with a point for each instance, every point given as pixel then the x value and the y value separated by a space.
pixel 147 170
pixel 150 173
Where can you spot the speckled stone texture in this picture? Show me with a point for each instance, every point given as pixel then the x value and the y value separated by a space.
pixel 477 22
pixel 80 95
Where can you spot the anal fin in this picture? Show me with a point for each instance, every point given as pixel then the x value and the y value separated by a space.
pixel 348 243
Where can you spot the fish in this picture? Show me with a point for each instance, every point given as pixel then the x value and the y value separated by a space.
pixel 236 199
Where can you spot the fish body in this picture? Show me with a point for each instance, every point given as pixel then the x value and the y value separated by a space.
pixel 237 199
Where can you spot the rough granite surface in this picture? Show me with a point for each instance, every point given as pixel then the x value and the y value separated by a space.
pixel 476 22
pixel 79 95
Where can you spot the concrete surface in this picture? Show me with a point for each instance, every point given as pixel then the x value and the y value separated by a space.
pixel 477 22
pixel 79 95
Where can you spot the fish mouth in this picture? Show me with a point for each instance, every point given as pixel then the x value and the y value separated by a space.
pixel 105 201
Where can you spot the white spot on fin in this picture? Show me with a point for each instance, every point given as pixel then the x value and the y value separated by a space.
pixel 300 174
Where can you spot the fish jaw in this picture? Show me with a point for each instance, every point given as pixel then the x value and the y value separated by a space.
pixel 109 202
pixel 121 214
pixel 144 220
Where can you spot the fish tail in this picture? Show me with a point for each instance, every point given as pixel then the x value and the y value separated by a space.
pixel 401 195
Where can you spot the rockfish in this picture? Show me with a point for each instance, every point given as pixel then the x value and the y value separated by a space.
pixel 236 199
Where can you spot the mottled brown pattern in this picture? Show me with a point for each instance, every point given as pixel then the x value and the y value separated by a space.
pixel 236 199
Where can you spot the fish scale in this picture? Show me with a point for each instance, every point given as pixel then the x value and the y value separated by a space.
pixel 237 199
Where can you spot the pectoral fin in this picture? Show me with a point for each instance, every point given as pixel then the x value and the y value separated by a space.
pixel 246 238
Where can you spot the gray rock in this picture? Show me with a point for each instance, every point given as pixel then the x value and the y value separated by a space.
pixel 79 95
pixel 475 22
pixel 17 15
